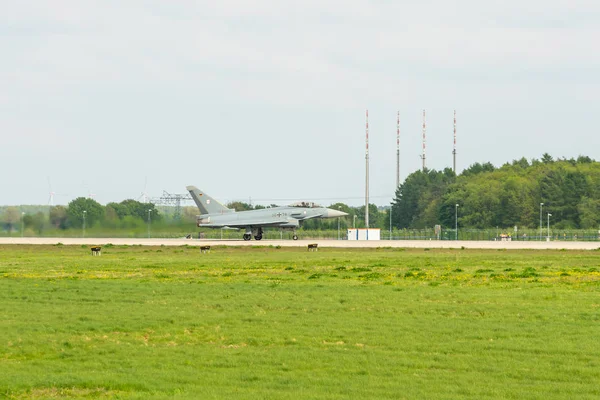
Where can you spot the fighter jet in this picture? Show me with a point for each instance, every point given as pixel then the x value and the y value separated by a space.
pixel 215 215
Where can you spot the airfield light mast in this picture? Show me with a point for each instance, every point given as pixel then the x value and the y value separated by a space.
pixel 367 173
pixel 424 130
pixel 398 150
pixel 454 150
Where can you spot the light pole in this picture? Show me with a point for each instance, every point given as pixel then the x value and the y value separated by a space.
pixel 549 215
pixel 149 223
pixel 541 205
pixel 339 208
pixel 83 229
pixel 22 219
pixel 354 222
pixel 390 223
pixel 456 222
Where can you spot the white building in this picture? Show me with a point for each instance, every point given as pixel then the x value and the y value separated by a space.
pixel 364 234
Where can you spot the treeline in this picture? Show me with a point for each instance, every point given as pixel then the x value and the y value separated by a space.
pixel 487 197
pixel 132 215
pixel 504 197
pixel 79 213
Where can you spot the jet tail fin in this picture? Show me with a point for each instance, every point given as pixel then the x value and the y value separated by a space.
pixel 205 203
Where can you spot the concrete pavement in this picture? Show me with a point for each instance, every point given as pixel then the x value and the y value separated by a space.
pixel 433 244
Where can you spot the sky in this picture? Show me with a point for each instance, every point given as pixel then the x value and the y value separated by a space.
pixel 265 101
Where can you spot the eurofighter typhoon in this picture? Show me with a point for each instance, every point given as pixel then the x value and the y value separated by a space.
pixel 215 215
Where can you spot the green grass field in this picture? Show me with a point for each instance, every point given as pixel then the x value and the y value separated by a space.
pixel 262 323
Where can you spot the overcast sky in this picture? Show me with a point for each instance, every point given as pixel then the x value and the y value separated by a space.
pixel 266 99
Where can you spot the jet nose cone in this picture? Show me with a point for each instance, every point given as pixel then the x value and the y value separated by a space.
pixel 335 213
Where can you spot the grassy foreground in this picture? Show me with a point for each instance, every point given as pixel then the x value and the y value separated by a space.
pixel 169 322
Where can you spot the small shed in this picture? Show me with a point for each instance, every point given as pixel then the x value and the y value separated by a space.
pixel 364 234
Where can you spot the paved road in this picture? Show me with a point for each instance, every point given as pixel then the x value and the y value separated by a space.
pixel 433 244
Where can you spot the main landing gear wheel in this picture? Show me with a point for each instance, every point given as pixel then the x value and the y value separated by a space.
pixel 295 237
pixel 247 236
pixel 258 237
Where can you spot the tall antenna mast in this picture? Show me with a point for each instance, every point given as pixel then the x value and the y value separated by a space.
pixel 398 150
pixel 424 130
pixel 367 173
pixel 454 150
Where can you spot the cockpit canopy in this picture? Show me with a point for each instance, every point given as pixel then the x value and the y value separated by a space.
pixel 305 204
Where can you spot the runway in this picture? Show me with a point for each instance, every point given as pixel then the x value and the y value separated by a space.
pixel 323 243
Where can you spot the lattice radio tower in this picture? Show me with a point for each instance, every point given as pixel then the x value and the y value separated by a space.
pixel 398 150
pixel 424 131
pixel 367 173
pixel 454 149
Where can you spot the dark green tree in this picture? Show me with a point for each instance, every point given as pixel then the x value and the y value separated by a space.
pixel 418 199
pixel 405 207
pixel 94 212
pixel 547 158
pixel 478 168
pixel 584 160
pixel 10 217
pixel 589 213
pixel 239 206
pixel 523 163
pixel 36 221
pixel 375 217
pixel 134 208
pixel 562 188
pixel 58 217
